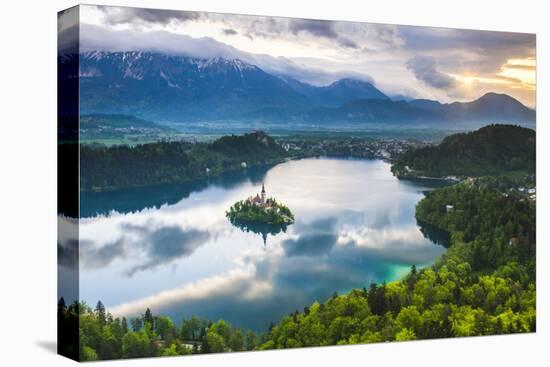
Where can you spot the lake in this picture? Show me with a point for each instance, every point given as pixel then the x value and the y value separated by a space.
pixel 172 249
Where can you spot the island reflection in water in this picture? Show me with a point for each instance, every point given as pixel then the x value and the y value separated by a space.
pixel 354 225
pixel 263 229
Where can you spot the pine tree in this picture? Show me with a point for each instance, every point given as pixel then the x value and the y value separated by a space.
pixel 124 326
pixel 148 317
pixel 136 324
pixel 100 313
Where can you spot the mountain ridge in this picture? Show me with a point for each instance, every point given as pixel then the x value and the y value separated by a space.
pixel 162 87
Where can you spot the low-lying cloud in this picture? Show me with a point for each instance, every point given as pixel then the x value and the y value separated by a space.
pixel 100 38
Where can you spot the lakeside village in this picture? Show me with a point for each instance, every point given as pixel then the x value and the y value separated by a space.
pixel 370 148
pixel 260 209
pixel 300 147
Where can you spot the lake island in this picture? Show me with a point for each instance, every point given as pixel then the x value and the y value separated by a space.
pixel 260 209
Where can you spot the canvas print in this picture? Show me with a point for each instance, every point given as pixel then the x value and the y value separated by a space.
pixel 239 183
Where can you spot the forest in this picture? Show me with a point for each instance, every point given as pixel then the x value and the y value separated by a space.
pixel 483 285
pixel 102 337
pixel 491 150
pixel 123 166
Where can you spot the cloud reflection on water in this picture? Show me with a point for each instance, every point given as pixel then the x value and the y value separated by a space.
pixel 294 271
pixel 354 226
pixel 159 246
pixel 315 239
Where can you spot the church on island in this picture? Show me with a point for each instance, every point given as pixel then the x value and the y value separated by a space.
pixel 261 209
pixel 260 199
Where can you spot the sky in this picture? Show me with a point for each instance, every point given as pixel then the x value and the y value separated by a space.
pixel 419 62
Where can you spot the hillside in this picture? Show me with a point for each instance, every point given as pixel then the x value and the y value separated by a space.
pixel 491 150
pixel 343 91
pixel 256 145
pixel 122 166
pixel 372 111
pixel 490 106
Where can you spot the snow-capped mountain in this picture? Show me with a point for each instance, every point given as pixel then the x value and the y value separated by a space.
pixel 163 87
pixel 178 88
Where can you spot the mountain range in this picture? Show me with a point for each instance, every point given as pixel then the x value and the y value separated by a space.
pixel 164 88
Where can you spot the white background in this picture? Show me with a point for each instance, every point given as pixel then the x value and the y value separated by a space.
pixel 28 183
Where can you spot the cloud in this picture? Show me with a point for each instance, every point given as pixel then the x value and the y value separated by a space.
pixel 100 38
pixel 307 74
pixel 346 42
pixel 508 79
pixel 429 38
pixel 67 33
pixel 425 70
pixel 265 27
pixel 229 32
pixel 479 54
pixel 319 28
pixel 67 41
pixel 463 49
pixel 141 16
pixel 520 67
pixel 387 34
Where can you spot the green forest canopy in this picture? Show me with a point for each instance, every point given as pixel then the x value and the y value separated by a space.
pixel 491 150
pixel 122 166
